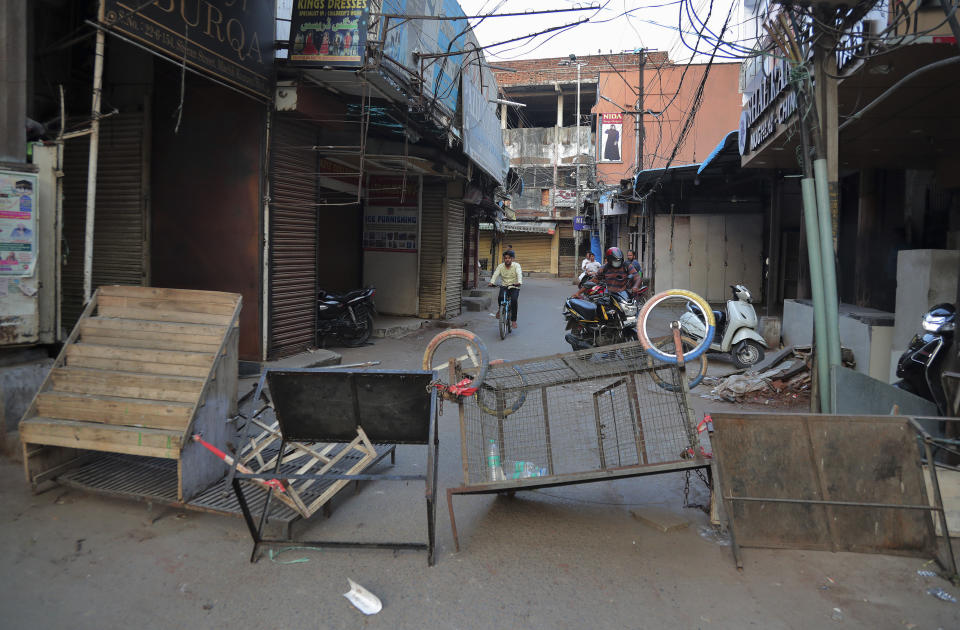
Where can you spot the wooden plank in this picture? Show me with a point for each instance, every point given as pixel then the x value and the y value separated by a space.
pixel 170 342
pixel 163 316
pixel 113 410
pixel 101 437
pixel 136 367
pixel 700 261
pixel 145 326
pixel 126 385
pixel 716 245
pixel 161 305
pixel 211 297
pixel 194 359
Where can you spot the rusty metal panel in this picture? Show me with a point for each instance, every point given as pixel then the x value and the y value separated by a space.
pixel 841 483
pixel 206 197
pixel 454 218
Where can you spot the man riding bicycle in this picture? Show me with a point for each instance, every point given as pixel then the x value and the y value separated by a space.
pixel 511 277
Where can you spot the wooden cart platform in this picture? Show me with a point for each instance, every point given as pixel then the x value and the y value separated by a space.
pixel 143 370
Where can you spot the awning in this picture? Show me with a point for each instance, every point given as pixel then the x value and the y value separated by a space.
pixel 729 143
pixel 532 227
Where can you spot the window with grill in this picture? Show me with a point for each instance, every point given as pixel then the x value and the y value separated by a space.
pixel 568 247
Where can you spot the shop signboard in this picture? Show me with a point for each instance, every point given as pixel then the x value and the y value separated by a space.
pixel 328 33
pixel 228 40
pixel 18 225
pixel 482 135
pixel 580 224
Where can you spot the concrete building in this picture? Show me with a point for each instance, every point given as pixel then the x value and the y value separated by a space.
pixel 259 171
pixel 890 128
pixel 633 107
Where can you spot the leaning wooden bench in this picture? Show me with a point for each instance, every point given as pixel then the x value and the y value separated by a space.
pixel 143 370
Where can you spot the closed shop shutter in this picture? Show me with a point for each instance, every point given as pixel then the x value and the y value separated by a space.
pixel 119 240
pixel 533 250
pixel 454 219
pixel 568 251
pixel 293 238
pixel 431 251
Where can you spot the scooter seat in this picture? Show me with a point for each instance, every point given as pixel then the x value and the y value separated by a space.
pixel 721 318
pixel 585 308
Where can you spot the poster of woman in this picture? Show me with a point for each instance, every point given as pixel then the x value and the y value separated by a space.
pixel 611 126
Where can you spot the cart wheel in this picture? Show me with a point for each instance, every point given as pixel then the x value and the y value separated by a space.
pixel 659 370
pixel 461 345
pixel 486 393
pixel 644 324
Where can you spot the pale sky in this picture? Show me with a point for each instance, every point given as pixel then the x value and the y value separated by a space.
pixel 651 24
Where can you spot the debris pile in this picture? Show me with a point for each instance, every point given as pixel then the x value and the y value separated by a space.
pixel 785 382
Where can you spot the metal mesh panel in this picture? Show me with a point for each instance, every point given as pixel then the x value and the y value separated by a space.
pixel 580 412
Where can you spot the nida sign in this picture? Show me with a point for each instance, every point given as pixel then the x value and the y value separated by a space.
pixel 770 102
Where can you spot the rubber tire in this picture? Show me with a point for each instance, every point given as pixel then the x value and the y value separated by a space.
pixel 364 337
pixel 513 408
pixel 504 322
pixel 660 297
pixel 481 347
pixel 755 348
pixel 670 387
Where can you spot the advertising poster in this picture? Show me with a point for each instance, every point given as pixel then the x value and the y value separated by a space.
pixel 18 223
pixel 328 33
pixel 608 140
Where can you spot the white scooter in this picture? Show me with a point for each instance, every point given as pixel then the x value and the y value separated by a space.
pixel 736 329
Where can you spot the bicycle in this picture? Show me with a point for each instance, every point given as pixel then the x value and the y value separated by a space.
pixel 503 311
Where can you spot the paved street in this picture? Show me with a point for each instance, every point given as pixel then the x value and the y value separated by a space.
pixel 571 557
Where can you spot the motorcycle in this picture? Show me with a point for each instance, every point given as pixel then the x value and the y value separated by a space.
pixel 348 316
pixel 736 329
pixel 921 365
pixel 605 318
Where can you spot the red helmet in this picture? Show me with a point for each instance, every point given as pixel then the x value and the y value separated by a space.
pixel 614 257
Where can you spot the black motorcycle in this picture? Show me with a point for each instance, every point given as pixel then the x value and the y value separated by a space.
pixel 348 316
pixel 921 365
pixel 604 318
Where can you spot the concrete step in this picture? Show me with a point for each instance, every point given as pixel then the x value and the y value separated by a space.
pixel 477 303
pixel 479 292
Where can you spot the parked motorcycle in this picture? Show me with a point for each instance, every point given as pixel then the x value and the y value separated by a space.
pixel 736 329
pixel 604 318
pixel 348 316
pixel 921 365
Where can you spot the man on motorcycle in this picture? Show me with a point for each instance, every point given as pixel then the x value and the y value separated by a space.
pixel 509 273
pixel 616 275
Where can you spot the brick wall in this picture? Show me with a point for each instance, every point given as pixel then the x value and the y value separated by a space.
pixel 545 71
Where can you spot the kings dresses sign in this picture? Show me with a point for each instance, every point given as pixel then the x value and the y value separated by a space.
pixel 231 41
pixel 328 33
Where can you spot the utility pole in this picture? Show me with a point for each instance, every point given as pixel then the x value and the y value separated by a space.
pixel 576 203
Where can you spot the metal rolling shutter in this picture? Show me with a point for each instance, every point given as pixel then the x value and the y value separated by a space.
pixel 293 239
pixel 568 250
pixel 454 219
pixel 533 250
pixel 432 251
pixel 119 239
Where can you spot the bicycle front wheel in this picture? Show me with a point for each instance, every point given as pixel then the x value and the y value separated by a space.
pixel 504 321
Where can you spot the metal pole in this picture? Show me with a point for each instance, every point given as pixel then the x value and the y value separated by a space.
pixel 831 301
pixel 92 167
pixel 577 159
pixel 808 188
